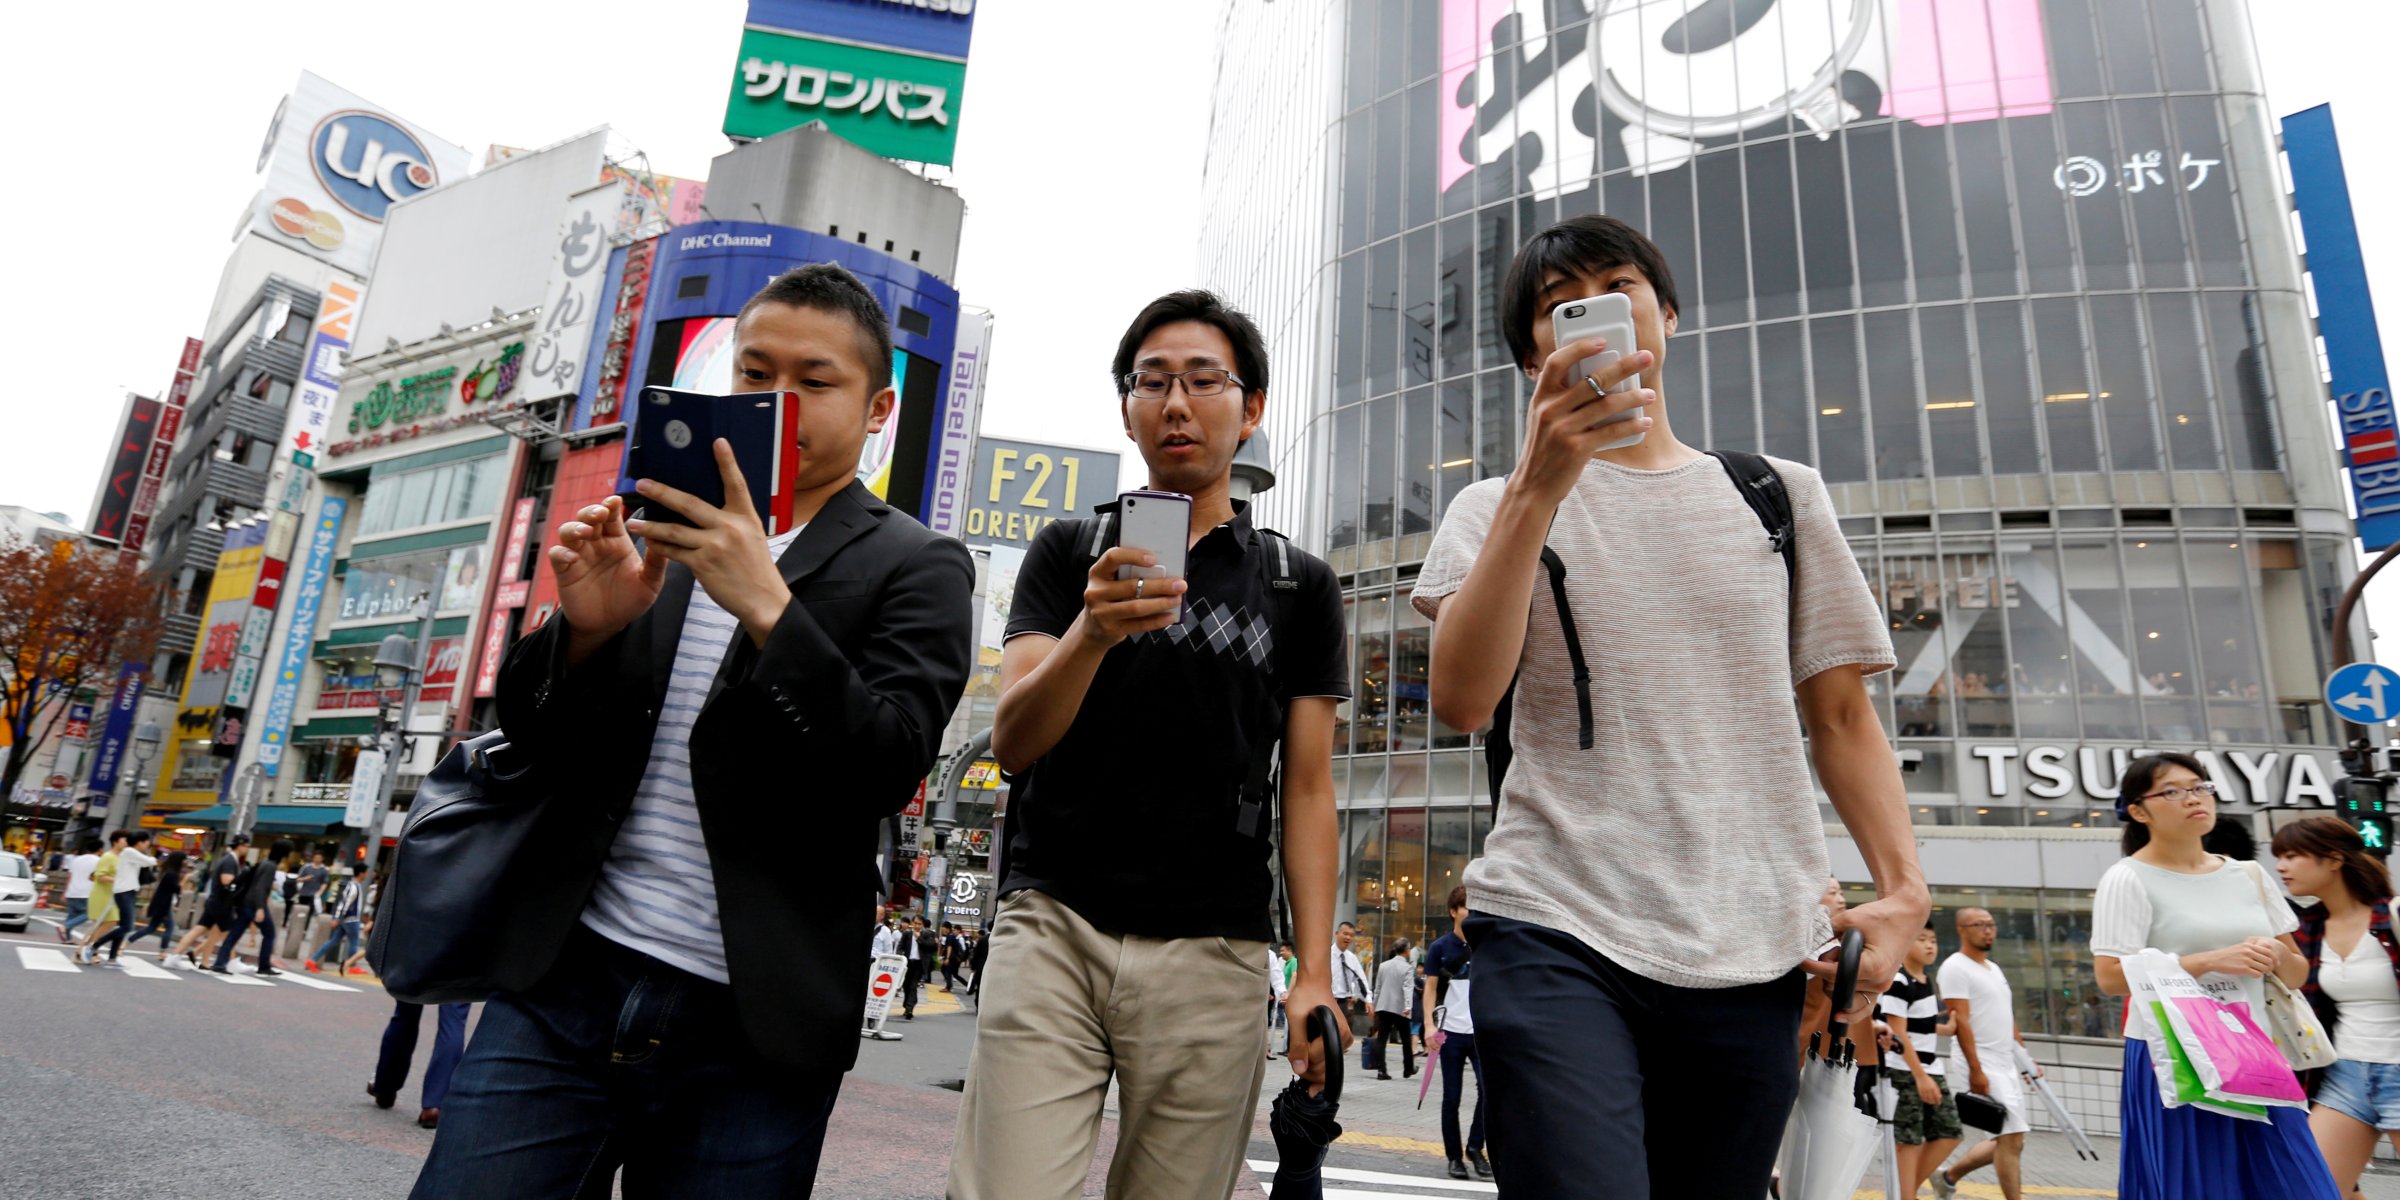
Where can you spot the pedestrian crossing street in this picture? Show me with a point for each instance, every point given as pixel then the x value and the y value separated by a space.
pixel 1382 1184
pixel 47 959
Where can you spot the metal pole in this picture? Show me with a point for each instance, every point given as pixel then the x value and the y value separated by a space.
pixel 2341 631
pixel 945 817
pixel 408 708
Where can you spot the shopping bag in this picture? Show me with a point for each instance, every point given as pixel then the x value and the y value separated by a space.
pixel 2179 1084
pixel 2296 1029
pixel 2233 1057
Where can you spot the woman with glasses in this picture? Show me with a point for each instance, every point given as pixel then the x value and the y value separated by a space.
pixel 2221 917
pixel 2353 983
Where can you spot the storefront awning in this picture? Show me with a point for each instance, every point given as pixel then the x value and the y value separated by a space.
pixel 272 818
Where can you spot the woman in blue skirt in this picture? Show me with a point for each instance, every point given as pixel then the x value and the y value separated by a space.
pixel 2220 917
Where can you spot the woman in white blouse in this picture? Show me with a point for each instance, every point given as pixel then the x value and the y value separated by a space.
pixel 2220 917
pixel 2354 984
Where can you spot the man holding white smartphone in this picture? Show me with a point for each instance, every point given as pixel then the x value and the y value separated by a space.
pixel 1134 717
pixel 1657 856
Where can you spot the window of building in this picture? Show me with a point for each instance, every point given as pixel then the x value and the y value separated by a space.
pixel 450 491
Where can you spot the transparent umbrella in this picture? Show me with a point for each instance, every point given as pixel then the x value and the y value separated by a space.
pixel 1832 1134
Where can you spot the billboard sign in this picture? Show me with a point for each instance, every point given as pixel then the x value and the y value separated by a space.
pixel 2362 386
pixel 939 28
pixel 571 303
pixel 334 164
pixel 892 103
pixel 162 449
pixel 307 589
pixel 321 371
pixel 947 478
pixel 114 508
pixel 1021 487
pixel 117 734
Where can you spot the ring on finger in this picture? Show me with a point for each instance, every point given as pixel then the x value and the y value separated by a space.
pixel 1597 390
pixel 1137 586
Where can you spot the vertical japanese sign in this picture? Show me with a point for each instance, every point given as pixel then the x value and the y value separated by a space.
pixel 321 372
pixel 114 506
pixel 570 305
pixel 308 595
pixel 162 449
pixel 953 462
pixel 114 737
pixel 511 596
pixel 2362 387
pixel 633 291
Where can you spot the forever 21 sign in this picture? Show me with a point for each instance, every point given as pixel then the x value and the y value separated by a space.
pixel 1021 487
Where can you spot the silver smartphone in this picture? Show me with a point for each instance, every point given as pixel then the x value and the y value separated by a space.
pixel 1161 523
pixel 1610 318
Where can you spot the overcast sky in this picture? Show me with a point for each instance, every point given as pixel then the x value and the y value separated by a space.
pixel 135 129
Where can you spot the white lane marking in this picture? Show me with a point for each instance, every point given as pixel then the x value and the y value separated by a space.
pixel 243 980
pixel 300 980
pixel 35 958
pixel 1266 1174
pixel 136 968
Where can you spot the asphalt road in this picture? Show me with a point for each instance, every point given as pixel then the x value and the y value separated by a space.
pixel 147 1084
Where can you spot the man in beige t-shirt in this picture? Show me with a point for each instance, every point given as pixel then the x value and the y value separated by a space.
pixel 1647 903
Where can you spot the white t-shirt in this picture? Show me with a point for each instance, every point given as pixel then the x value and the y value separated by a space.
pixel 1275 975
pixel 130 864
pixel 1991 1010
pixel 79 875
pixel 2362 983
pixel 1695 642
pixel 883 940
pixel 1456 1016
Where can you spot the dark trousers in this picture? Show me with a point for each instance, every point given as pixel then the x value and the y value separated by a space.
pixel 161 922
pixel 243 920
pixel 914 980
pixel 400 1045
pixel 1458 1051
pixel 1393 1027
pixel 617 1060
pixel 115 938
pixel 1606 1075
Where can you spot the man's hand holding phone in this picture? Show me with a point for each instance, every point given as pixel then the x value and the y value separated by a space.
pixel 604 584
pixel 1115 609
pixel 1568 420
pixel 726 548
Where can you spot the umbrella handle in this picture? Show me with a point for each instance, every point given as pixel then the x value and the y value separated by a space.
pixel 1845 987
pixel 1325 1025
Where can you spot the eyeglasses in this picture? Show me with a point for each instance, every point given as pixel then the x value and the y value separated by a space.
pixel 1197 382
pixel 2179 795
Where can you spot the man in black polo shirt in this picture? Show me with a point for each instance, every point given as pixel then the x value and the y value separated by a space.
pixel 1135 894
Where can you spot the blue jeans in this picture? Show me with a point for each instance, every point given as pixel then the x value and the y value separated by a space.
pixel 346 936
pixel 616 1059
pixel 400 1045
pixel 1591 1094
pixel 2365 1092
pixel 78 911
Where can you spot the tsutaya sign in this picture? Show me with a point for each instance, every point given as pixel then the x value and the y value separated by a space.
pixel 2260 777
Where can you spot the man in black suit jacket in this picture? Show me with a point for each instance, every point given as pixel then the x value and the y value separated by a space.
pixel 704 996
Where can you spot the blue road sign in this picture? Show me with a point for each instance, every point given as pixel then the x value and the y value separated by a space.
pixel 2364 693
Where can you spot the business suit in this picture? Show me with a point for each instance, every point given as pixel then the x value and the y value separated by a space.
pixel 920 965
pixel 821 733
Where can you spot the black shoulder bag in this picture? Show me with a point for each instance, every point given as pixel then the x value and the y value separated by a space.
pixel 442 921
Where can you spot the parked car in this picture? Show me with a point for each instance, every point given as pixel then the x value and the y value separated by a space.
pixel 17 884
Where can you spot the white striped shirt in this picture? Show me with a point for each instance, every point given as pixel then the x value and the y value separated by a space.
pixel 656 893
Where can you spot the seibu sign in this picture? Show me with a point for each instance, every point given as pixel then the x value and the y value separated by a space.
pixel 2261 778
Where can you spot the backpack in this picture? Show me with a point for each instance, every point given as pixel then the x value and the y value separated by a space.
pixel 1761 488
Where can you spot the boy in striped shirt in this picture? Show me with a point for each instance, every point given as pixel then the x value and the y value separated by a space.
pixel 1926 1124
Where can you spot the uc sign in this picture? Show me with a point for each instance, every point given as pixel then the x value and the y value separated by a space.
pixel 1021 487
pixel 366 162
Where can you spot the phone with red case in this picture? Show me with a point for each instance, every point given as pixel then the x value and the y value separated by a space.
pixel 672 441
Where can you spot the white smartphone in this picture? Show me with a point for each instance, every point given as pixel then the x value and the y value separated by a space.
pixel 1608 317
pixel 1161 523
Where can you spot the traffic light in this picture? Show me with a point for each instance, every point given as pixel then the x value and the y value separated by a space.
pixel 2364 801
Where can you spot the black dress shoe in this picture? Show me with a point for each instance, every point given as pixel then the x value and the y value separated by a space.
pixel 382 1099
pixel 1458 1170
pixel 1482 1167
pixel 269 971
pixel 1383 1075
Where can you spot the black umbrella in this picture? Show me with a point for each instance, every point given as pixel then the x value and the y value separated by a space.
pixel 1302 1121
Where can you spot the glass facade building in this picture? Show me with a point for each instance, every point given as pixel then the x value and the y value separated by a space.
pixel 2016 276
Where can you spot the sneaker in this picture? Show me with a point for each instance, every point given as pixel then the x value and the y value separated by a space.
pixel 1942 1186
pixel 1458 1170
pixel 312 968
pixel 1483 1168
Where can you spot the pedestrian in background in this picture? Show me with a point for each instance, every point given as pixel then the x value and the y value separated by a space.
pixel 349 899
pixel 2170 894
pixel 161 916
pixel 2353 984
pixel 1978 994
pixel 1395 979
pixel 954 955
pixel 1351 991
pixel 79 887
pixel 1448 965
pixel 1925 1127
pixel 133 862
pixel 400 1046
pixel 217 903
pixel 253 907
pixel 311 877
pixel 919 947
pixel 1278 985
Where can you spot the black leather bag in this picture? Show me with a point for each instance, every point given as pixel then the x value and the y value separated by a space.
pixel 1982 1112
pixel 468 855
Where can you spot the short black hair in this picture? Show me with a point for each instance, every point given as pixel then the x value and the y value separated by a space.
pixel 239 839
pixel 1576 246
pixel 280 850
pixel 827 287
pixel 2135 783
pixel 1195 304
pixel 135 837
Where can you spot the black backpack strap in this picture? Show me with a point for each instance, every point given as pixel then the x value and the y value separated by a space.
pixel 1556 568
pixel 1260 788
pixel 1762 489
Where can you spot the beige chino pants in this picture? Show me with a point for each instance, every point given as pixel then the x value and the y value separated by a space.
pixel 1176 1020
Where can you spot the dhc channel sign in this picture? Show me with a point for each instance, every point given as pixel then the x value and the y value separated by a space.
pixel 366 162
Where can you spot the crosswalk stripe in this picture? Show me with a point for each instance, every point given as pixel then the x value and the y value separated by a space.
pixel 295 978
pixel 140 969
pixel 1266 1173
pixel 35 958
pixel 243 980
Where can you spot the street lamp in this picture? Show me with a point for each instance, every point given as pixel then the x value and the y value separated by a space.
pixel 397 665
pixel 395 657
